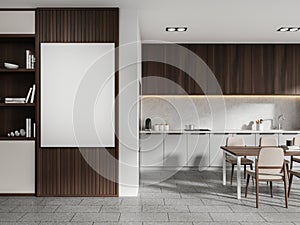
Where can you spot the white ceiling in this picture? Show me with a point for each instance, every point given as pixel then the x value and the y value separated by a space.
pixel 211 21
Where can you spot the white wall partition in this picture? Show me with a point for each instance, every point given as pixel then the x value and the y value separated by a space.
pixel 17 22
pixel 77 95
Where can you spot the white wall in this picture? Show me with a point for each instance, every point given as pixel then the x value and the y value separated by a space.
pixel 17 22
pixel 130 73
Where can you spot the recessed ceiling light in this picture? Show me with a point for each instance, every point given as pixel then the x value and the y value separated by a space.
pixel 288 29
pixel 181 29
pixel 170 29
pixel 294 29
pixel 176 29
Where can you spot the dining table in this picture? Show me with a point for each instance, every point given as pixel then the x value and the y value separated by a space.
pixel 241 151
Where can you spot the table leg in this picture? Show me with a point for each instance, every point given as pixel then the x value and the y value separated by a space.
pixel 238 173
pixel 224 168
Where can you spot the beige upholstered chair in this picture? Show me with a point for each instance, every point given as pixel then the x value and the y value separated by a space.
pixel 268 141
pixel 296 141
pixel 237 141
pixel 270 166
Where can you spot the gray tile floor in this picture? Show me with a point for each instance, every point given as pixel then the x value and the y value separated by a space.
pixel 185 197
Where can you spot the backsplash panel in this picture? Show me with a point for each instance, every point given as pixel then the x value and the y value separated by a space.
pixel 218 113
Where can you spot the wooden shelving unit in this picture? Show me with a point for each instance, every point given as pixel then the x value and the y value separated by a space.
pixel 16 139
pixel 17 104
pixel 20 70
pixel 15 83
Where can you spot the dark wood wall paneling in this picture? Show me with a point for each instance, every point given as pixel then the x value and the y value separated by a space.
pixel 239 69
pixel 64 171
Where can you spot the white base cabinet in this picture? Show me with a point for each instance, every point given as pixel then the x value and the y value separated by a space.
pixel 151 149
pixel 175 154
pixel 17 167
pixel 215 153
pixel 198 150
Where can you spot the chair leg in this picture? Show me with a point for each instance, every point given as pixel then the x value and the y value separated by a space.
pixel 285 180
pixel 251 167
pixel 290 184
pixel 248 178
pixel 271 189
pixel 232 171
pixel 291 166
pixel 286 192
pixel 257 190
pixel 245 171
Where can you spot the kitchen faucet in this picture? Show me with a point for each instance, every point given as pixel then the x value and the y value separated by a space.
pixel 280 118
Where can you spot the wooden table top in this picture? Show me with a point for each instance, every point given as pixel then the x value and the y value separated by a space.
pixel 254 150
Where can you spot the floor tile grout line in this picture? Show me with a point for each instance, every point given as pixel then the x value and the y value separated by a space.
pixel 101 207
pixel 72 217
pixel 18 220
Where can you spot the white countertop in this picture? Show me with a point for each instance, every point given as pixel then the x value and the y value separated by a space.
pixel 218 131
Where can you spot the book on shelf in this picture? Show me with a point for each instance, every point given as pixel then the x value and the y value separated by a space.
pixel 32 94
pixel 28 127
pixel 14 100
pixel 28 95
pixel 30 60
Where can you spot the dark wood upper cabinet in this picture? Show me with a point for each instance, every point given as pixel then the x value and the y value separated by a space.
pixel 169 69
pixel 232 69
pixel 263 69
pixel 286 68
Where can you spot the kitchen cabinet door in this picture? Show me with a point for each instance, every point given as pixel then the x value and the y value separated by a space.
pixel 17 167
pixel 215 153
pixel 231 65
pixel 151 150
pixel 175 154
pixel 198 150
pixel 263 69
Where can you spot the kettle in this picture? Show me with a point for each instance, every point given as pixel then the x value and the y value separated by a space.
pixel 148 124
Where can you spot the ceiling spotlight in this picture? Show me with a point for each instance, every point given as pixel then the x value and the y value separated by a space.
pixel 288 29
pixel 181 29
pixel 171 29
pixel 176 29
pixel 294 29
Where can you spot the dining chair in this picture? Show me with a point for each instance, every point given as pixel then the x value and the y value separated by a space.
pixel 292 172
pixel 269 166
pixel 296 141
pixel 268 141
pixel 237 141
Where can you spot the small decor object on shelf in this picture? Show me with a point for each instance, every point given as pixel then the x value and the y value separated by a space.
pixel 17 133
pixel 11 66
pixel 30 60
pixel 22 132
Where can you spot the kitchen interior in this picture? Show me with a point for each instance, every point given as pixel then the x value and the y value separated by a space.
pixel 196 96
pixel 186 83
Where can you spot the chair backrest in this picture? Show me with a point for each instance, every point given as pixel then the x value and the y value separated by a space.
pixel 235 141
pixel 270 157
pixel 296 140
pixel 268 141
